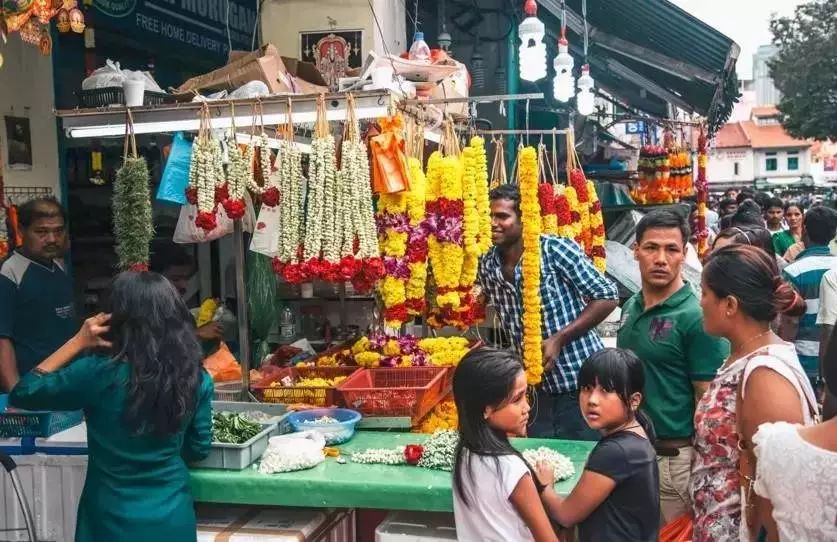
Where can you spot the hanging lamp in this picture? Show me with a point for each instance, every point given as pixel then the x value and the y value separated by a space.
pixel 532 47
pixel 563 85
pixel 585 100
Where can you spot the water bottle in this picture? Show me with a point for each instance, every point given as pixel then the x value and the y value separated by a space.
pixel 287 325
pixel 420 50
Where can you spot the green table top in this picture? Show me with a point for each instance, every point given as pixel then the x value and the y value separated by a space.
pixel 352 485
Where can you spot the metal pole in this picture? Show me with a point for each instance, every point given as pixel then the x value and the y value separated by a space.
pixel 512 86
pixel 241 301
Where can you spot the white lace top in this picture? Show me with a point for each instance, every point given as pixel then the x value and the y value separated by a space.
pixel 800 480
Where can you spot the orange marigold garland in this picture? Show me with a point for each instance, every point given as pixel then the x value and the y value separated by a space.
pixel 531 266
pixel 563 213
pixel 549 208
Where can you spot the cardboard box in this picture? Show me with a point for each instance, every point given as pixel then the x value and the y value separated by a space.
pixel 232 523
pixel 280 74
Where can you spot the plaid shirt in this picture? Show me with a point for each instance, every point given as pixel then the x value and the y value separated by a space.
pixel 567 278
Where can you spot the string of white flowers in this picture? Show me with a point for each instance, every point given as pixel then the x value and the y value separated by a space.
pixel 356 172
pixel 439 450
pixel 562 467
pixel 239 173
pixel 381 456
pixel 318 173
pixel 331 237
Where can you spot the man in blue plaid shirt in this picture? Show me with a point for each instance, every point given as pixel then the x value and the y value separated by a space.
pixel 575 298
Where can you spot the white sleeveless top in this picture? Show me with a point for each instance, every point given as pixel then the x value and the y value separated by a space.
pixel 800 480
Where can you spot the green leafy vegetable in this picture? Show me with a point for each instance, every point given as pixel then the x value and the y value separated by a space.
pixel 232 428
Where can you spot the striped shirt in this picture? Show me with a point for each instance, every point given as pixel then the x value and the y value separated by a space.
pixel 568 281
pixel 805 274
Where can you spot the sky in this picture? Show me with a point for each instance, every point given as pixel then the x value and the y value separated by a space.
pixel 745 21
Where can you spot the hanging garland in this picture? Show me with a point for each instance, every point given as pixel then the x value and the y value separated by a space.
pixel 238 171
pixel 417 240
pixel 546 197
pixel 483 203
pixel 322 169
pixel 531 266
pixel 132 220
pixel 393 231
pixel 206 188
pixel 597 229
pixel 702 188
pixel 563 213
pixel 290 180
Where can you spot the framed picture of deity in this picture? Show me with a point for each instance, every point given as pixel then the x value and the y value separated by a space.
pixel 334 52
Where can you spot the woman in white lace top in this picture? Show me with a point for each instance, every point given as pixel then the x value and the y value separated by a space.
pixel 797 472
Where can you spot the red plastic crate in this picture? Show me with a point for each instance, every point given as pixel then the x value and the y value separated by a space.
pixel 321 396
pixel 397 391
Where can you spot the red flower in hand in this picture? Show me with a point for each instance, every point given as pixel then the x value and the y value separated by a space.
pixel 413 453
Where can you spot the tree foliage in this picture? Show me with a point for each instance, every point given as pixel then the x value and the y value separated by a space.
pixel 805 69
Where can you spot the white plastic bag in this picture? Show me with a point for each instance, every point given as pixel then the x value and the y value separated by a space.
pixel 109 75
pixel 187 231
pixel 266 233
pixel 292 452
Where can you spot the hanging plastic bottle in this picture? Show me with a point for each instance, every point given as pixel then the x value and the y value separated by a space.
pixel 419 50
pixel 287 325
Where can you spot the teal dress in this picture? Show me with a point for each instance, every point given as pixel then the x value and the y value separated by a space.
pixel 137 486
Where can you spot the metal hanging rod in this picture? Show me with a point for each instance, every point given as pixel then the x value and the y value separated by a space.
pixel 478 99
pixel 522 132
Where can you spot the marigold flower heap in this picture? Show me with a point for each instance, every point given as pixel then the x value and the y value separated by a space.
pixel 444 416
pixel 417 240
pixel 531 266
pixel 382 350
pixel 597 230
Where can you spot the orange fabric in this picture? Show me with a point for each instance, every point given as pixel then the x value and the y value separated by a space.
pixel 390 173
pixel 222 366
pixel 15 233
pixel 677 530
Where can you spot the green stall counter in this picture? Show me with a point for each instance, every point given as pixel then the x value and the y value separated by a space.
pixel 351 485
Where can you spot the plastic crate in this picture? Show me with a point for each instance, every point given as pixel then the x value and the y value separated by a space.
pixel 322 396
pixel 278 413
pixel 416 527
pixel 113 96
pixel 25 423
pixel 402 391
pixel 237 456
pixel 228 391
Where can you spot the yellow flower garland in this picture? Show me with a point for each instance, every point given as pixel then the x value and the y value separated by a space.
pixel 392 244
pixel 575 207
pixel 483 205
pixel 597 229
pixel 445 181
pixel 470 222
pixel 531 266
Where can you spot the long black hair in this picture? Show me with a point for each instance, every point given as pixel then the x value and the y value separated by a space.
pixel 619 371
pixel 484 378
pixel 154 333
pixel 756 236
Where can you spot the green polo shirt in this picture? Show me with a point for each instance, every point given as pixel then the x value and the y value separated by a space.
pixel 675 351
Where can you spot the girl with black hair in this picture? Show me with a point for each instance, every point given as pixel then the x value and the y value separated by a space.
pixel 147 403
pixel 761 381
pixel 495 497
pixel 617 497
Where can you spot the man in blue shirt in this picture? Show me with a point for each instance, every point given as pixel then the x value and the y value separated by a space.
pixel 37 312
pixel 575 298
pixel 805 274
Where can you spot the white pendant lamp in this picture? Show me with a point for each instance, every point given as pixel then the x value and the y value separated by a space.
pixel 585 99
pixel 563 85
pixel 532 47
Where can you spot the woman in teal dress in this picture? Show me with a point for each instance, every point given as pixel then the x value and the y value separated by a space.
pixel 784 240
pixel 147 403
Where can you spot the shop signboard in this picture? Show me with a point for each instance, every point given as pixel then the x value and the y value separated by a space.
pixel 203 26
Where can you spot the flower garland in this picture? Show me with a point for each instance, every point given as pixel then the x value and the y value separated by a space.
pixel 597 229
pixel 445 209
pixel 321 169
pixel 549 208
pixel 239 174
pixel 702 189
pixel 437 452
pixel 562 466
pixel 393 233
pixel 531 266
pixel 133 225
pixel 206 177
pixel 563 213
pixel 332 237
pixel 575 212
pixel 579 183
pixel 417 240
pixel 290 178
pixel 383 350
pixel 483 204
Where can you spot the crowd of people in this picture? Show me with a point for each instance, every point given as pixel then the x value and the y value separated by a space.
pixel 706 414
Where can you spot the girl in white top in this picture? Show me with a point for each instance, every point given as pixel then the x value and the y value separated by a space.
pixel 495 493
pixel 797 472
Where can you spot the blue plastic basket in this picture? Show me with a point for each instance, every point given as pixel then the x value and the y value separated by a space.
pixel 334 433
pixel 24 423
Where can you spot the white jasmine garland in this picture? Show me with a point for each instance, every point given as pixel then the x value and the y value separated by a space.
pixel 317 178
pixel 290 180
pixel 439 450
pixel 562 467
pixel 356 173
pixel 239 174
pixel 331 238
pixel 381 456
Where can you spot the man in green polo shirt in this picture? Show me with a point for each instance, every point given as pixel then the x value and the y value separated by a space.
pixel 663 326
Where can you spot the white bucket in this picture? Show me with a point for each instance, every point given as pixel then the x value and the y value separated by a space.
pixel 134 91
